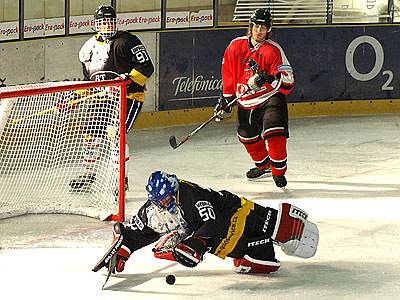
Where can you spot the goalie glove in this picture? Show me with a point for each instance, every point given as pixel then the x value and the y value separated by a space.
pixel 256 81
pixel 117 247
pixel 166 245
pixel 190 251
pixel 123 255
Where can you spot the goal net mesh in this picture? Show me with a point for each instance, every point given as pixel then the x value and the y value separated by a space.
pixel 60 149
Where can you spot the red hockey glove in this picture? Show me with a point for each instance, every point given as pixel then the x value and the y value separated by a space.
pixel 124 252
pixel 190 252
pixel 123 255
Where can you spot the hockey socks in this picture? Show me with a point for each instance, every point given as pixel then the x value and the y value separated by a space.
pixel 257 150
pixel 277 155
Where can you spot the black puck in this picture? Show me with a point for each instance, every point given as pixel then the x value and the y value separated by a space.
pixel 170 279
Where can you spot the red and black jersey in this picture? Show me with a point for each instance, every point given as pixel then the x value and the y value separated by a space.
pixel 242 60
pixel 124 53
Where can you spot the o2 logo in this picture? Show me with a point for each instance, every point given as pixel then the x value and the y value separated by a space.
pixel 379 59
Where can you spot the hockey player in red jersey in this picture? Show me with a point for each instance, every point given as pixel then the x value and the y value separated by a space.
pixel 188 220
pixel 104 56
pixel 257 65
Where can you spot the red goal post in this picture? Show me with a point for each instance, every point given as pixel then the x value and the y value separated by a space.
pixel 51 133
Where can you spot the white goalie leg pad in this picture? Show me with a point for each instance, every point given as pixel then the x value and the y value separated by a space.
pixel 294 233
pixel 306 247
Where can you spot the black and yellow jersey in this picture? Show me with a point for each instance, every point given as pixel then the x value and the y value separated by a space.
pixel 124 53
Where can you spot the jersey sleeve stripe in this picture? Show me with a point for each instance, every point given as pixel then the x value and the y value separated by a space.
pixel 138 77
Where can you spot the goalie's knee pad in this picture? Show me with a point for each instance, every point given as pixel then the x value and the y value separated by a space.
pixel 248 264
pixel 294 233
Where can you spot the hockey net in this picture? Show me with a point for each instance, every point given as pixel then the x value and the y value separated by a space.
pixel 62 149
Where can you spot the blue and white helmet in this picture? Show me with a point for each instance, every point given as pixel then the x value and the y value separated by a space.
pixel 162 189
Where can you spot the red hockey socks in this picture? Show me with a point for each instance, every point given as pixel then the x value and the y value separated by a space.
pixel 257 150
pixel 277 154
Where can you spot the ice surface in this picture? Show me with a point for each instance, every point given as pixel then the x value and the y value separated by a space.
pixel 345 172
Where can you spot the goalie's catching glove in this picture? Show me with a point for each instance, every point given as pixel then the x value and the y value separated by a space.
pixel 256 81
pixel 165 246
pixel 190 251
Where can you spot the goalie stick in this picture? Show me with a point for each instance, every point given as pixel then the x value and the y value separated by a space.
pixel 110 257
pixel 172 139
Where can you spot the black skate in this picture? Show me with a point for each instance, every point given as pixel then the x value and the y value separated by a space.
pixel 82 183
pixel 280 181
pixel 256 173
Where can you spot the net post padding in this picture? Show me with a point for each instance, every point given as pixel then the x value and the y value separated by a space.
pixel 42 148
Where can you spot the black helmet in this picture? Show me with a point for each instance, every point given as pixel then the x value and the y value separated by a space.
pixel 261 16
pixel 105 11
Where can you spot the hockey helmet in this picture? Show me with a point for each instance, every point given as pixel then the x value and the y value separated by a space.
pixel 162 189
pixel 105 21
pixel 261 16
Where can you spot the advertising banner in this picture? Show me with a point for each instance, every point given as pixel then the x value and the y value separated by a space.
pixel 9 31
pixel 190 67
pixel 331 63
pixel 36 28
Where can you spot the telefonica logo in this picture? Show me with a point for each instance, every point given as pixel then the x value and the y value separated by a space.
pixel 199 83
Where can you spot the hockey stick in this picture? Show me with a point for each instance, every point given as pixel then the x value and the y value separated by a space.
pixel 172 139
pixel 109 259
pixel 55 107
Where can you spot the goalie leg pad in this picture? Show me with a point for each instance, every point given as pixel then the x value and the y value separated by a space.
pixel 248 264
pixel 294 233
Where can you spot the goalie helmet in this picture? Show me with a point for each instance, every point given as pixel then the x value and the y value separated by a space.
pixel 162 189
pixel 105 21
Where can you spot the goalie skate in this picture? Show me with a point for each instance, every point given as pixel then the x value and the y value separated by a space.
pixel 82 183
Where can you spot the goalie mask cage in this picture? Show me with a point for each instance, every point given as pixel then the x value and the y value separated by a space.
pixel 51 133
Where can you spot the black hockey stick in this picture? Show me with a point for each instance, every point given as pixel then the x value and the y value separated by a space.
pixel 172 139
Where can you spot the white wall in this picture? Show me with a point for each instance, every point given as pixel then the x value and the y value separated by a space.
pixel 57 59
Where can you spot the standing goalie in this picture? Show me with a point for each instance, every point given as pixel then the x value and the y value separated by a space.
pixel 188 221
pixel 109 53
pixel 257 65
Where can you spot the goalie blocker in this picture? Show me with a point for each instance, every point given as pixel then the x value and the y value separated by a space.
pixel 189 221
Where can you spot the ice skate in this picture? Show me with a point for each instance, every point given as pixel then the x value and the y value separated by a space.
pixel 280 181
pixel 256 173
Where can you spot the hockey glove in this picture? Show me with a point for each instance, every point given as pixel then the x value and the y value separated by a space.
pixel 190 251
pixel 256 81
pixel 124 252
pixel 222 107
pixel 123 255
pixel 166 245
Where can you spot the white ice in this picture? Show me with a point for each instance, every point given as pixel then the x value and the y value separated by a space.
pixel 345 172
